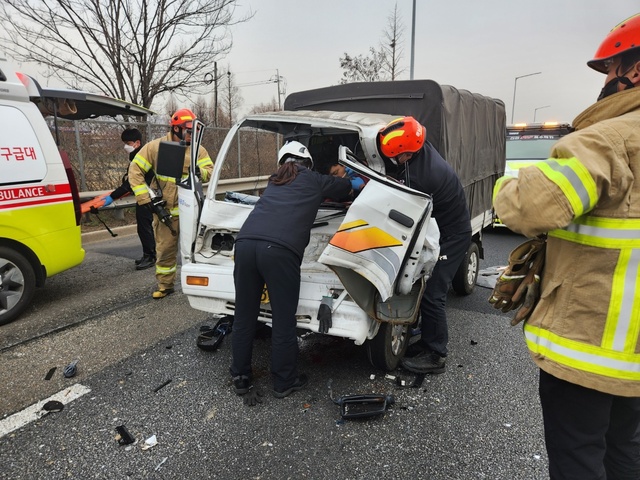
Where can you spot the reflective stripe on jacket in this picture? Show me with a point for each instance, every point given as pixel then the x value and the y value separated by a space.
pixel 586 326
pixel 147 159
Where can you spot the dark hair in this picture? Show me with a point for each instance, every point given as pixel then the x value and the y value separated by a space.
pixel 131 135
pixel 288 171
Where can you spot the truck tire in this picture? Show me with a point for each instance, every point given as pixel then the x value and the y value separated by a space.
pixel 17 284
pixel 388 346
pixel 465 278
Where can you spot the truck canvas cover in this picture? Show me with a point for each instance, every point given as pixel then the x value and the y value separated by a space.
pixel 467 129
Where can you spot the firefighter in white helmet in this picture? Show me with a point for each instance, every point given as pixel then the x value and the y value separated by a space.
pixel 146 160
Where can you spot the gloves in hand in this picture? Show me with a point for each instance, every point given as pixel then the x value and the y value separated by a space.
pixel 519 284
pixel 252 397
pixel 107 200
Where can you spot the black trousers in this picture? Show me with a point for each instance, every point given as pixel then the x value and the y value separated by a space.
pixel 258 263
pixel 590 435
pixel 144 220
pixel 435 332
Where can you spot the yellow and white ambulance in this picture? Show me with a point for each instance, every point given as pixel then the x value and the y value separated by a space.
pixel 39 201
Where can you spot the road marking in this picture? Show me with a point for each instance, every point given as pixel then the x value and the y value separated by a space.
pixel 35 411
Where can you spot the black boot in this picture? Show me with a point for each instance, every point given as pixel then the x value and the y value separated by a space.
pixel 139 261
pixel 147 262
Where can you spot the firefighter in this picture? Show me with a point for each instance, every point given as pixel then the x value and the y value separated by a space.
pixel 584 332
pixel 422 168
pixel 145 161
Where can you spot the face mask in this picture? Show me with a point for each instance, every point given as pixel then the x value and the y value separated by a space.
pixel 129 148
pixel 612 86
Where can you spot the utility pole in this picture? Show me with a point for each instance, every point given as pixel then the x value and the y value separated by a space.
pixel 215 94
pixel 278 77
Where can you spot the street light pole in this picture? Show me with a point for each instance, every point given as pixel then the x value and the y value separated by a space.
pixel 515 83
pixel 413 39
pixel 536 111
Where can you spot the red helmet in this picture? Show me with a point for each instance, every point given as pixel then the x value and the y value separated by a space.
pixel 623 37
pixel 183 118
pixel 402 135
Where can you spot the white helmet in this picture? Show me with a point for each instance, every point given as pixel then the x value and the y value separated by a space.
pixel 294 152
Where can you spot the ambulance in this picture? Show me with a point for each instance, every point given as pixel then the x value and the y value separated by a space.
pixel 39 201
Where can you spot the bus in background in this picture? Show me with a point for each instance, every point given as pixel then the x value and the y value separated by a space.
pixel 528 144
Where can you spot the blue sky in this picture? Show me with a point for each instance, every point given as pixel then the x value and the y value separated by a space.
pixel 481 46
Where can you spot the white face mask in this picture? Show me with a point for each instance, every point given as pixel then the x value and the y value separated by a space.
pixel 129 148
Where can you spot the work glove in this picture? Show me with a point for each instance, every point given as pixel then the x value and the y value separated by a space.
pixel 107 201
pixel 324 318
pixel 519 284
pixel 252 397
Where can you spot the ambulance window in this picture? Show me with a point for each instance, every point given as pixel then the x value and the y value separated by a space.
pixel 21 158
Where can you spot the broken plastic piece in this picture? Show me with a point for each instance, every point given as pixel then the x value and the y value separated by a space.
pixel 53 406
pixel 71 369
pixel 50 373
pixel 125 438
pixel 159 387
pixel 361 406
pixel 152 441
pixel 210 338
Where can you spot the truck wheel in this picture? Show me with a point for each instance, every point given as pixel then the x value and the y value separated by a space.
pixel 464 281
pixel 17 284
pixel 388 346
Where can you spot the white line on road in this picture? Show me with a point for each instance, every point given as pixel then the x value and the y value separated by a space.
pixel 35 411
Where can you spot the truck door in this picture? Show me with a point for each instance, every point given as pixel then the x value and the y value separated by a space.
pixel 190 198
pixel 386 242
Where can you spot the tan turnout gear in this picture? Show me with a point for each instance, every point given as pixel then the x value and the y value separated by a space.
pixel 166 243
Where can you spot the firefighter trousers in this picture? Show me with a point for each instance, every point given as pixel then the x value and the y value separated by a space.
pixel 435 331
pixel 590 435
pixel 166 252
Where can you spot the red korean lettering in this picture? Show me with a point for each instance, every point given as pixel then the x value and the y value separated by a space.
pixel 30 152
pixel 17 152
pixel 6 153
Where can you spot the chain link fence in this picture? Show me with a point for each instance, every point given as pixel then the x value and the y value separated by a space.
pixel 99 160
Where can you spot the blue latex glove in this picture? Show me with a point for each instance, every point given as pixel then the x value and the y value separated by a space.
pixel 107 200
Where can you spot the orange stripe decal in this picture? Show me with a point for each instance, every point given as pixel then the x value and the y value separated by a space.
pixel 364 239
pixel 350 225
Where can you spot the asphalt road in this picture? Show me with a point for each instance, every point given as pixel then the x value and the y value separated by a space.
pixel 139 361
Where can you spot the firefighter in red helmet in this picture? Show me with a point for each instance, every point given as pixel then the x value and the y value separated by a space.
pixel 584 331
pixel 422 168
pixel 145 161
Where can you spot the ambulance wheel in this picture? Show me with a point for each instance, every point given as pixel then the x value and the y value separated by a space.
pixel 388 346
pixel 17 284
pixel 465 279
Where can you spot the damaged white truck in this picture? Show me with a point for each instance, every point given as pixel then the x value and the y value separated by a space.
pixel 367 260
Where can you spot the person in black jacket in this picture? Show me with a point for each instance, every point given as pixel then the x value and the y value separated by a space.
pixel 422 168
pixel 132 139
pixel 268 251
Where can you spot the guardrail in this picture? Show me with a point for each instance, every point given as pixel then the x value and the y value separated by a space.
pixel 228 185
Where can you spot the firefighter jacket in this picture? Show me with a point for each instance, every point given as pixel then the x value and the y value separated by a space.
pixel 586 327
pixel 147 159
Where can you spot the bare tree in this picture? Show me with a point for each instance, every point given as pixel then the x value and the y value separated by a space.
pixel 381 63
pixel 391 45
pixel 231 99
pixel 271 106
pixel 129 49
pixel 361 68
